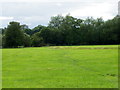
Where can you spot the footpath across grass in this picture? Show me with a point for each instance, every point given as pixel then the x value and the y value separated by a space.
pixel 61 67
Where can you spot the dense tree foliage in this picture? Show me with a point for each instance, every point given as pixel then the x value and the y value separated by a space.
pixel 0 40
pixel 63 31
pixel 13 35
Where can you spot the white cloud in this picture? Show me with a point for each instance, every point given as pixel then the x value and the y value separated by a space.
pixel 4 21
pixel 58 0
pixel 59 4
pixel 6 18
pixel 104 10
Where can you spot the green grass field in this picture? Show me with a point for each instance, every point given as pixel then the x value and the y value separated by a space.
pixel 61 67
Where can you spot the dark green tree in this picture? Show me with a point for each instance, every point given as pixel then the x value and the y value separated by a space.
pixel 13 35
pixel 27 40
pixel 37 40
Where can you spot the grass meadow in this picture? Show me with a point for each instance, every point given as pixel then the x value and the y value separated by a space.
pixel 61 67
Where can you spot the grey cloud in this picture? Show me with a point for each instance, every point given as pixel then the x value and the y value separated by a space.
pixel 31 9
pixel 34 13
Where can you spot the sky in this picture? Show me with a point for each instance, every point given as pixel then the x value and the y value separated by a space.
pixel 39 12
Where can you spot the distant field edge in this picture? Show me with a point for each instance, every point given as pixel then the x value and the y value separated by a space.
pixel 76 46
pixel 60 88
pixel 87 47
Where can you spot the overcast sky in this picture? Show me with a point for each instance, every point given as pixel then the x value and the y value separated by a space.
pixel 36 12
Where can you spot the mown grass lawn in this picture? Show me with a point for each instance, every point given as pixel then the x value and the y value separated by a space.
pixel 61 67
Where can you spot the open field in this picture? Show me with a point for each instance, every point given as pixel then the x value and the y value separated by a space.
pixel 61 67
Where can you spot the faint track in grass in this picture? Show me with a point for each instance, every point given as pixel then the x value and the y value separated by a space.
pixel 75 62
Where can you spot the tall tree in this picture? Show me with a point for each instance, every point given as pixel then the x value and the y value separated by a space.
pixel 13 35
pixel 56 21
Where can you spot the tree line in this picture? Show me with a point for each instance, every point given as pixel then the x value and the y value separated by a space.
pixel 62 30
